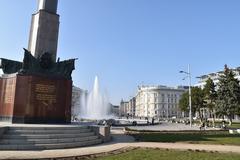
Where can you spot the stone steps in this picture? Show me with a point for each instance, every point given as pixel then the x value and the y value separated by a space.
pixel 41 138
pixel 49 146
pixel 45 136
pixel 58 131
pixel 47 128
pixel 46 141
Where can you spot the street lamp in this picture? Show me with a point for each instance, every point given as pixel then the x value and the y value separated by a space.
pixel 190 96
pixel 132 104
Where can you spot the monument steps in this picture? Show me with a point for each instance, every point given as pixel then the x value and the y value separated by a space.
pixel 40 138
pixel 44 136
pixel 49 146
pixel 47 128
pixel 46 141
pixel 58 131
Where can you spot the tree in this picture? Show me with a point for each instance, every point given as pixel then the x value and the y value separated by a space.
pixel 183 102
pixel 228 95
pixel 197 101
pixel 210 96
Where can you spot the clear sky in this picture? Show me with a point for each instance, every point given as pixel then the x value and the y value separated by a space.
pixel 132 42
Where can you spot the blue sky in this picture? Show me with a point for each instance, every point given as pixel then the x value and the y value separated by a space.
pixel 132 42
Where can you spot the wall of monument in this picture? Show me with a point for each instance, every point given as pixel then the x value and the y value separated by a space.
pixel 7 95
pixel 35 98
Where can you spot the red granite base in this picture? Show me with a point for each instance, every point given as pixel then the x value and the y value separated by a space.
pixel 35 99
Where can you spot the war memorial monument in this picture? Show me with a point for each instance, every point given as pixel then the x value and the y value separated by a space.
pixel 38 89
pixel 36 94
pixel 35 112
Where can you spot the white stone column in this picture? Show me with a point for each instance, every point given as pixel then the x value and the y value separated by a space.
pixel 44 30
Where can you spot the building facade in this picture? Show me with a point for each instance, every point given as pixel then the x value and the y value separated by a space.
pixel 215 77
pixel 131 110
pixel 124 105
pixel 128 108
pixel 114 110
pixel 158 101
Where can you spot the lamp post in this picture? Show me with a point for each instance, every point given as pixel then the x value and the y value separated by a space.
pixel 190 96
pixel 131 105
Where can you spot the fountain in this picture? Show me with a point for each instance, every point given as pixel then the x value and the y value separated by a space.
pixel 95 105
pixel 94 108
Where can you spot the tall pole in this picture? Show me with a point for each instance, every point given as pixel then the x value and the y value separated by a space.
pixel 147 102
pixel 190 97
pixel 168 110
pixel 133 105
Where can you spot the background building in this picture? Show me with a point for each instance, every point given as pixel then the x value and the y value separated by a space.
pixel 128 108
pixel 131 110
pixel 158 101
pixel 114 110
pixel 123 108
pixel 215 76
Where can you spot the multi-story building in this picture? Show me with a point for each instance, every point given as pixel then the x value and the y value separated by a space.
pixel 124 105
pixel 132 107
pixel 128 108
pixel 158 101
pixel 114 110
pixel 215 77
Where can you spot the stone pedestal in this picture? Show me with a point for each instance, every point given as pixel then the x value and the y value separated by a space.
pixel 103 132
pixel 35 99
